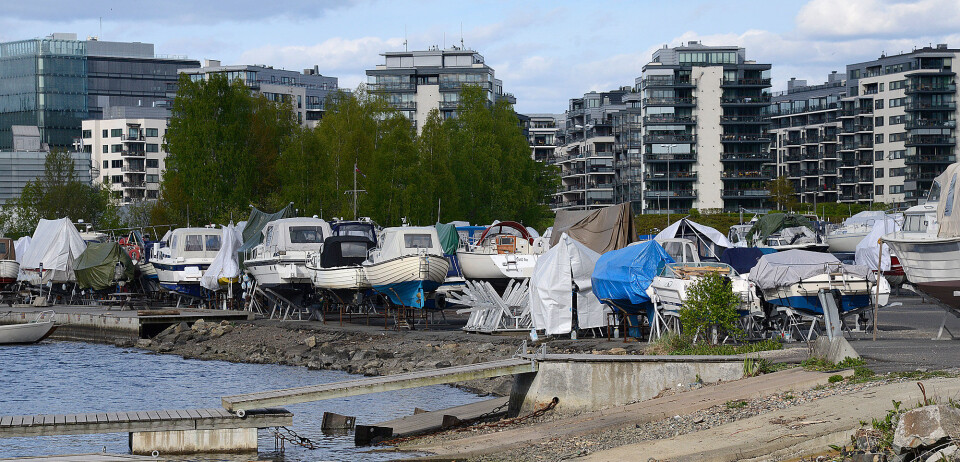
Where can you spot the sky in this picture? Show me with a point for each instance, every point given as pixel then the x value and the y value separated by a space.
pixel 546 52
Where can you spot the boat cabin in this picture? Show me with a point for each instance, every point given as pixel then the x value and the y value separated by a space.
pixel 505 237
pixel 7 249
pixel 292 235
pixel 344 251
pixel 407 240
pixel 355 228
pixel 693 270
pixel 191 243
pixel 681 250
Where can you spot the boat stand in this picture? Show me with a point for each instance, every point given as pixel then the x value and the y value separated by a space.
pixel 943 327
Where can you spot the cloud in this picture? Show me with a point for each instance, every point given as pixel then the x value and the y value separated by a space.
pixel 877 18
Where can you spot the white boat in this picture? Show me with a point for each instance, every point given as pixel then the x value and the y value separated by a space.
pixel 669 288
pixel 280 258
pixel 9 268
pixel 505 250
pixel 180 263
pixel 928 246
pixel 339 265
pixel 407 265
pixel 31 332
pixel 55 245
pixel 845 238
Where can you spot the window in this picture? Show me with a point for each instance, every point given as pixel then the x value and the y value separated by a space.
pixel 948 205
pixel 878 138
pixel 116 147
pixel 417 241
pixel 878 121
pixel 116 132
pixel 153 147
pixel 896 120
pixel 116 179
pixel 153 163
pixel 151 194
pixel 898 154
pixel 105 148
pixel 878 189
pixel 306 235
pixel 106 164
pixel 87 134
pixel 116 163
pixel 878 173
pixel 898 84
pixel 105 134
pixel 881 89
pixel 353 250
pixel 152 132
pixel 902 171
pixel 878 104
pixel 896 189
pixel 878 155
pixel 153 178
pixel 194 243
pixel 898 136
pixel 213 242
pixel 897 102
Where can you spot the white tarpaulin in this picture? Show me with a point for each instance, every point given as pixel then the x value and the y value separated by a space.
pixel 868 248
pixel 782 269
pixel 704 237
pixel 225 264
pixel 567 264
pixel 21 246
pixel 948 210
pixel 55 244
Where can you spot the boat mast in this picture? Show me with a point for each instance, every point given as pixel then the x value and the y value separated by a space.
pixel 355 191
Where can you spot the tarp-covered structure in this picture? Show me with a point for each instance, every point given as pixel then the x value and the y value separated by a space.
pixel 774 222
pixel 55 245
pixel 449 238
pixel 710 242
pixel 602 230
pixel 567 265
pixel 251 235
pixel 743 259
pixel 21 247
pixel 868 252
pixel 344 251
pixel 948 209
pixel 102 265
pixel 621 277
pixel 866 217
pixel 226 265
pixel 782 269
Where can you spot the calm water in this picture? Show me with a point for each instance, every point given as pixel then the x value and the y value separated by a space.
pixel 69 377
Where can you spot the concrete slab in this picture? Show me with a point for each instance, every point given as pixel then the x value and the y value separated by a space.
pixel 833 350
pixel 433 420
pixel 802 430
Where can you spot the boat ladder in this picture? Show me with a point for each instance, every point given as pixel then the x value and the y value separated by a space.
pixel 424 265
pixel 512 262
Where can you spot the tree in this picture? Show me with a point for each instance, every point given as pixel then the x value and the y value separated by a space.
pixel 711 309
pixel 782 193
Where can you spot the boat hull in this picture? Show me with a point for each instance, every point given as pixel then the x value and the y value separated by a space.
pixel 341 278
pixel 406 280
pixel 932 266
pixel 843 242
pixel 182 278
pixel 671 294
pixel 855 294
pixel 496 266
pixel 272 273
pixel 9 269
pixel 33 332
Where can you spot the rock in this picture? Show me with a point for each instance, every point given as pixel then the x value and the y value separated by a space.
pixel 618 351
pixel 450 346
pixel 946 453
pixel 926 426
pixel 442 364
pixel 485 347
pixel 218 331
pixel 311 341
pixel 835 350
pixel 144 343
pixel 181 327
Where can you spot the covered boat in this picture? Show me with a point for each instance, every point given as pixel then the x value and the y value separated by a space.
pixel 103 265
pixel 9 267
pixel 280 258
pixel 674 280
pixel 794 278
pixel 785 231
pixel 224 270
pixel 407 265
pixel 929 247
pixel 339 265
pixel 845 238
pixel 709 242
pixel 505 250
pixel 743 259
pixel 186 256
pixel 602 230
pixel 54 247
pixel 621 277
pixel 564 270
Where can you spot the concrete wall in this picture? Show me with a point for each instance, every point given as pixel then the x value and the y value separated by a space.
pixel 708 112
pixel 235 440
pixel 428 98
pixel 587 382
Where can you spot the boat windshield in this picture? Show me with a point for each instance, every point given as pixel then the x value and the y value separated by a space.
pixel 353 249
pixel 306 235
pixel 417 241
pixel 934 195
pixel 915 223
pixel 356 229
pixel 213 242
pixel 691 270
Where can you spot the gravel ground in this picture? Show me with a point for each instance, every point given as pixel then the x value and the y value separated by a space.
pixel 569 448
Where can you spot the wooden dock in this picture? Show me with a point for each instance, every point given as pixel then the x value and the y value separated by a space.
pixel 377 384
pixel 434 420
pixel 140 421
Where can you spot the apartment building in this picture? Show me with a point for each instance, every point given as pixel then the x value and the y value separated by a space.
pixel 306 91
pixel 541 131
pixel 805 127
pixel 704 136
pixel 415 82
pixel 586 156
pixel 56 82
pixel 628 151
pixel 126 150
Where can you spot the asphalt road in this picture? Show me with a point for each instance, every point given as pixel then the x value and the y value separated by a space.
pixel 905 338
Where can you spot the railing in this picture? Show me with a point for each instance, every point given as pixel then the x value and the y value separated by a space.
pixel 678 138
pixel 449 104
pixel 670 157
pixel 791 158
pixel 745 138
pixel 746 100
pixel 669 119
pixel 127 137
pixel 863 127
pixel 744 175
pixel 665 82
pixel 811 156
pixel 865 110
pixel 931 140
pixel 134 184
pixel 746 82
pixel 405 86
pixel 941 159
pixel 681 193
pixel 811 140
pixel 678 176
pixel 864 144
pixel 754 156
pixel 744 119
pixel 791 142
pixel 133 168
pixel 667 101
pixel 130 152
pixel 745 193
pixel 931 88
pixel 928 123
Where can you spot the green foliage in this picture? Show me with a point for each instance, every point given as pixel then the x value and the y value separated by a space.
pixel 680 345
pixel 58 193
pixel 711 308
pixel 835 378
pixel 921 375
pixel 737 404
pixel 888 425
pixel 654 223
pixel 822 365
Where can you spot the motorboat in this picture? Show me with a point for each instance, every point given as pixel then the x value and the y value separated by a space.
pixel 928 246
pixel 363 227
pixel 738 234
pixel 845 238
pixel 280 258
pixel 785 231
pixel 796 238
pixel 709 242
pixel 183 257
pixel 670 286
pixel 9 267
pixel 505 250
pixel 31 332
pixel 339 265
pixel 407 265
pixel 54 247
pixel 794 279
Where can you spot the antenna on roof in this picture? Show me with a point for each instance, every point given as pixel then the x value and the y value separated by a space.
pixel 461 35
pixel 405 38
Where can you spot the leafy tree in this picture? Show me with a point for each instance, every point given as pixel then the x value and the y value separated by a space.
pixel 782 193
pixel 711 308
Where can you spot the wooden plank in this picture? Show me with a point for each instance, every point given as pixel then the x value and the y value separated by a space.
pixel 48 419
pixel 153 415
pixel 17 420
pixel 59 419
pixel 5 421
pixel 82 418
pixel 101 417
pixel 183 414
pixel 194 414
pixel 71 419
pixel 205 413
pixel 142 416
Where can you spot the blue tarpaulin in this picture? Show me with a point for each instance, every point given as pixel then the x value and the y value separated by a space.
pixel 621 277
pixel 743 259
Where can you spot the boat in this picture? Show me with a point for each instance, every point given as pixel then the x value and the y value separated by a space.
pixel 338 267
pixel 280 258
pixel 54 247
pixel 407 265
pixel 31 332
pixel 785 231
pixel 104 266
pixel 845 238
pixel 709 242
pixel 183 257
pixel 9 267
pixel 363 227
pixel 621 278
pixel 505 250
pixel 793 279
pixel 670 286
pixel 928 246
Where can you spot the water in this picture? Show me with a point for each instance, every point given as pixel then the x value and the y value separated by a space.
pixel 69 377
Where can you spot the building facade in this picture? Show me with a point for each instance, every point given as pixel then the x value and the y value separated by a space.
pixel 705 141
pixel 805 127
pixel 17 168
pixel 126 150
pixel 542 134
pixel 56 82
pixel 416 82
pixel 307 92
pixel 586 156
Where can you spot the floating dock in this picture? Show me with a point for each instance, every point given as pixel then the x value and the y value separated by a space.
pixel 100 324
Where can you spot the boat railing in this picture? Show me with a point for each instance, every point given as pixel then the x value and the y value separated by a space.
pixel 43 315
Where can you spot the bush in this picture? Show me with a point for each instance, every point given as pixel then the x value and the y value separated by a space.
pixel 711 309
pixel 835 378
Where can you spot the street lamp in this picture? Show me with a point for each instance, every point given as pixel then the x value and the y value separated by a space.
pixel 669 148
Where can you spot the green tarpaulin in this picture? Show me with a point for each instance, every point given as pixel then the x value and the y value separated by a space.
pixel 449 239
pixel 256 222
pixel 96 268
pixel 773 222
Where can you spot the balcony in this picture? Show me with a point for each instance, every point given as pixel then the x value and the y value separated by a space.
pixel 863 127
pixel 132 153
pixel 757 156
pixel 931 106
pixel 666 139
pixel 449 105
pixel 865 110
pixel 914 124
pixel 913 87
pixel 669 119
pixel 673 176
pixel 865 144
pixel 746 175
pixel 847 112
pixel 930 140
pixel 847 179
pixel 670 157
pixel 669 101
pixel 744 138
pixel 404 105
pixel 126 137
pixel 811 140
pixel 746 83
pixel 127 168
pixel 738 119
pixel 673 194
pixel 811 156
pixel 746 101
pixel 666 82
pixel 791 142
pixel 745 193
pixel 791 158
pixel 134 184
pixel 927 159
pixel 404 86
pixel 847 196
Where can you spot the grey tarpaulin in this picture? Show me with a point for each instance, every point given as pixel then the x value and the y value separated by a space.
pixel 785 268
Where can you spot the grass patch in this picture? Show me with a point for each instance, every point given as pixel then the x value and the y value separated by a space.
pixel 737 404
pixel 919 375
pixel 835 378
pixel 822 365
pixel 705 349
